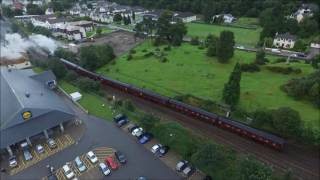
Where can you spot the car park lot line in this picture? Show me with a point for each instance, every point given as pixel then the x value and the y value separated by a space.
pixel 62 142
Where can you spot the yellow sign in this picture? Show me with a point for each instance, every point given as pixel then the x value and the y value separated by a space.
pixel 26 115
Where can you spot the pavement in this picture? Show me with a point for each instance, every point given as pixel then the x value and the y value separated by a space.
pixel 103 133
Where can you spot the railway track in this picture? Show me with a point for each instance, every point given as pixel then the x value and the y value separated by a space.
pixel 303 163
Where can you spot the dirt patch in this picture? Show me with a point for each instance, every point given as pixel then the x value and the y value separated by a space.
pixel 120 41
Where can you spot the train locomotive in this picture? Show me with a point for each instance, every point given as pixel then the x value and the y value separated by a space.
pixel 238 128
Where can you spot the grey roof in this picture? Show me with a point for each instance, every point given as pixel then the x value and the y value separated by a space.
pixel 184 14
pixel 286 36
pixel 47 108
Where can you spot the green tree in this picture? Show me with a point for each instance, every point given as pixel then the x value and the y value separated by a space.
pixel 88 85
pixel 98 31
pixel 231 91
pixel 92 57
pixel 7 11
pixel 300 46
pixel 195 41
pixel 211 39
pixel 287 122
pixel 308 27
pixel 71 76
pixel 34 9
pixel 148 121
pixel 117 18
pixel 57 68
pixel 315 61
pixel 251 169
pixel 260 57
pixel 261 117
pixel 212 50
pixel 133 16
pixel 225 45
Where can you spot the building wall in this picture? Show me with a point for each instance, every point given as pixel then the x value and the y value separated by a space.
pixel 283 43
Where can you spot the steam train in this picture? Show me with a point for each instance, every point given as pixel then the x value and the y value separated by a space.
pixel 238 128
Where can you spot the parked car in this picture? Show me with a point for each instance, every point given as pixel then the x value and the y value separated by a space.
pixel 181 165
pixel 92 157
pixel 162 151
pixel 141 178
pixel 52 143
pixel 119 117
pixel 112 163
pixel 131 127
pixel 80 165
pixel 155 148
pixel 137 132
pixel 104 168
pixel 121 157
pixel 68 172
pixel 144 138
pixel 188 171
pixel 122 122
pixel 13 161
pixel 39 149
pixel 26 153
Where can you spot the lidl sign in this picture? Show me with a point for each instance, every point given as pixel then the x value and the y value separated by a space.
pixel 26 115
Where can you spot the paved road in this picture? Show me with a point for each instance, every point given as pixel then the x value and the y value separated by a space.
pixel 103 133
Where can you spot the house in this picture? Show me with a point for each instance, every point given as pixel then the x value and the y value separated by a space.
pixel 49 11
pixel 315 45
pixel 103 18
pixel 69 32
pixel 19 6
pixel 227 18
pixel 47 21
pixel 87 25
pixel 186 17
pixel 306 10
pixel 75 11
pixel 153 15
pixel 285 40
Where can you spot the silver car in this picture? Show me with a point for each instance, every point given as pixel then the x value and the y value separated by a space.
pixel 80 165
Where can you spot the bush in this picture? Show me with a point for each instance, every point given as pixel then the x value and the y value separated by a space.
pixel 88 85
pixel 71 76
pixel 144 50
pixel 129 106
pixel 132 51
pixel 149 54
pixel 163 59
pixel 148 121
pixel 252 67
pixel 167 48
pixel 129 57
pixel 195 41
pixel 284 70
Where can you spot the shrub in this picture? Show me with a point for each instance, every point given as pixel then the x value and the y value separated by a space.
pixel 71 76
pixel 132 51
pixel 163 59
pixel 194 41
pixel 252 67
pixel 157 49
pixel 167 48
pixel 129 106
pixel 149 54
pixel 144 50
pixel 284 70
pixel 129 57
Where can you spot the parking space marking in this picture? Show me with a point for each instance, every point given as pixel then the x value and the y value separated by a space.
pixel 62 143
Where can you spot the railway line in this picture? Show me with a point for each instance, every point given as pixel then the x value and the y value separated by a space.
pixel 305 165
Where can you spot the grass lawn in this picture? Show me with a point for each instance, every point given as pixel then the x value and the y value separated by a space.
pixel 104 29
pixel 246 37
pixel 247 21
pixel 189 71
pixel 91 102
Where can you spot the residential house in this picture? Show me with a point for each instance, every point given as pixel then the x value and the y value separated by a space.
pixel 75 11
pixel 87 25
pixel 153 15
pixel 285 40
pixel 49 11
pixel 315 45
pixel 69 32
pixel 47 21
pixel 186 17
pixel 306 10
pixel 227 18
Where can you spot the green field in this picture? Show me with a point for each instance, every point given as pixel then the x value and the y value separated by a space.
pixel 105 30
pixel 91 102
pixel 248 37
pixel 190 71
pixel 247 21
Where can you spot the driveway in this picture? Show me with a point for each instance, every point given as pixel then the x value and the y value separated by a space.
pixel 100 133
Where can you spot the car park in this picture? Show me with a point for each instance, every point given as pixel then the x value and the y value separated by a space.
pixel 119 117
pixel 51 143
pixel 13 161
pixel 155 148
pixel 112 163
pixel 68 172
pixel 188 171
pixel 137 131
pixel 121 157
pixel 92 157
pixel 79 164
pixel 104 168
pixel 162 151
pixel 39 149
pixel 144 138
pixel 181 165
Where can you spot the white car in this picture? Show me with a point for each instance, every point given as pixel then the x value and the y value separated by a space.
pixel 39 149
pixel 104 168
pixel 80 165
pixel 155 148
pixel 13 161
pixel 92 157
pixel 137 132
pixel 68 172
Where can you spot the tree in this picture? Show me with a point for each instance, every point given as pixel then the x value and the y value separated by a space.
pixel 260 57
pixel 195 41
pixel 251 169
pixel 92 57
pixel 88 85
pixel 210 158
pixel 315 61
pixel 308 27
pixel 57 68
pixel 211 39
pixel 212 50
pixel 133 16
pixel 7 11
pixel 149 121
pixel 299 45
pixel 117 18
pixel 33 9
pixel 287 122
pixel 98 31
pixel 225 46
pixel 261 117
pixel 231 91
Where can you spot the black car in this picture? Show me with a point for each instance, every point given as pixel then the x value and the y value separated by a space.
pixel 162 151
pixel 122 122
pixel 119 117
pixel 121 157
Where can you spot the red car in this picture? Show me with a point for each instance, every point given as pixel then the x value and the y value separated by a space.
pixel 112 163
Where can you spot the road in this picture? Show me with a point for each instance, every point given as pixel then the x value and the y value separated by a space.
pixel 99 132
pixel 304 162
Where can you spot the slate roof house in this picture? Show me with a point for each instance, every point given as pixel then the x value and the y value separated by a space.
pixel 29 106
pixel 285 40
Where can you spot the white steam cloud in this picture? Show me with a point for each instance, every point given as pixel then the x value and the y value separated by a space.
pixel 13 46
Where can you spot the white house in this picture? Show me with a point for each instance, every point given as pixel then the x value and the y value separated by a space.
pixel 49 11
pixel 47 21
pixel 306 10
pixel 285 40
pixel 104 18
pixel 186 17
pixel 69 32
pixel 227 18
pixel 315 45
pixel 87 25
pixel 75 11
